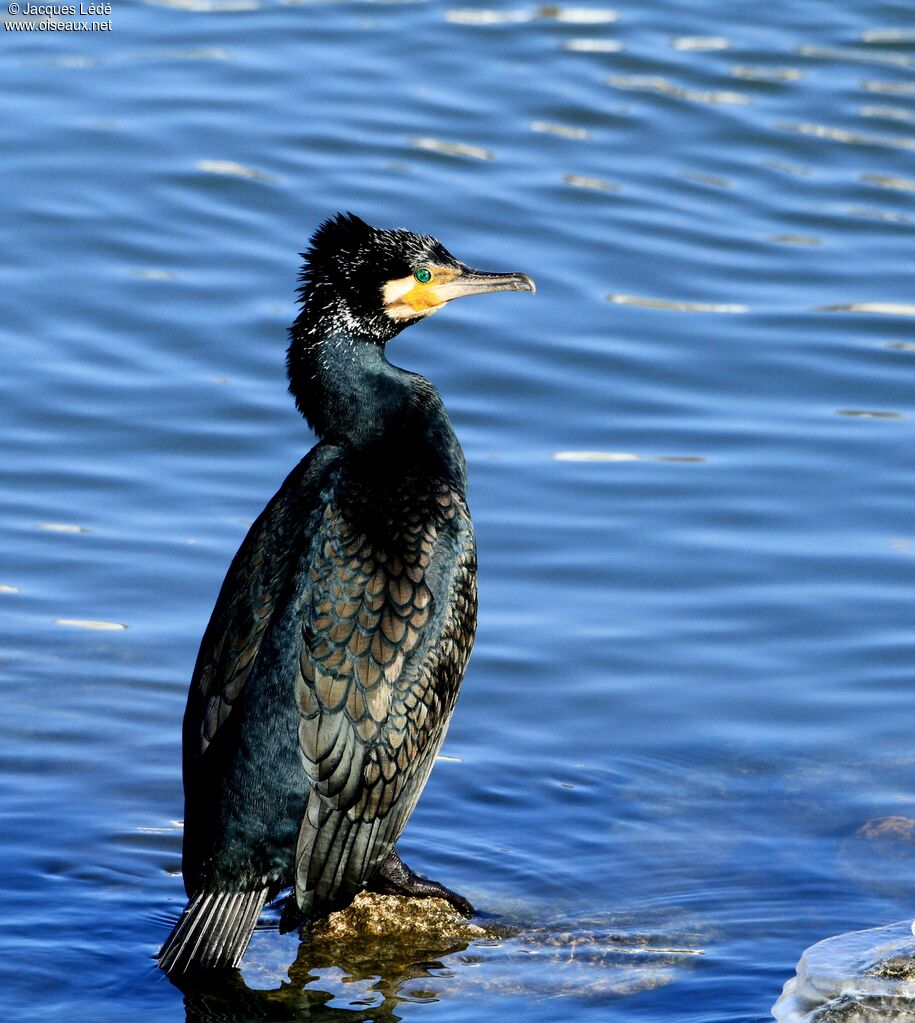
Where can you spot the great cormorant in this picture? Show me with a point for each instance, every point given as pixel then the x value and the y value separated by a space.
pixel 329 670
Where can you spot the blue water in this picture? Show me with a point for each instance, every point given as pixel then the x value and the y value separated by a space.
pixel 690 704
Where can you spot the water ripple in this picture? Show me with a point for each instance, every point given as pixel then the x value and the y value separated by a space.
pixel 795 239
pixel 766 74
pixel 849 53
pixel 563 131
pixel 232 169
pixel 621 456
pixel 593 45
pixel 579 15
pixel 863 413
pixel 90 623
pixel 675 306
pixel 458 149
pixel 661 85
pixel 567 15
pixel 881 308
pixel 856 138
pixel 889 35
pixel 595 184
pixel 701 44
pixel 889 181
pixel 890 88
pixel 208 6
pixel 480 16
pixel 887 113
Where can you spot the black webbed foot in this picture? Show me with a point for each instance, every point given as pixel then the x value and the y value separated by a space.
pixel 395 878
pixel 292 918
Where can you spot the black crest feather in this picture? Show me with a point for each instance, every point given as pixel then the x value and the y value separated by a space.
pixel 337 240
pixel 341 233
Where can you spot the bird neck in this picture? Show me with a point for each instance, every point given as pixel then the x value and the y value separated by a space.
pixel 351 395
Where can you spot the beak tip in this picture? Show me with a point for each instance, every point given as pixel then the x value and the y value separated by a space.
pixel 480 282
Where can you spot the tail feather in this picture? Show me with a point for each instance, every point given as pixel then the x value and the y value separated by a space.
pixel 213 932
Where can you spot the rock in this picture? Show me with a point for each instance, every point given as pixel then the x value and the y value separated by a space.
pixel 849 1009
pixel 861 977
pixel 897 967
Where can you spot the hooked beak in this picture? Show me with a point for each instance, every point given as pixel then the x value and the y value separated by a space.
pixel 479 282
pixel 407 299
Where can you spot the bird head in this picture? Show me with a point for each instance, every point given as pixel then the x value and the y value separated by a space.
pixel 373 283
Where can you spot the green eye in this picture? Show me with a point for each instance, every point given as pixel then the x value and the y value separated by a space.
pixel 423 275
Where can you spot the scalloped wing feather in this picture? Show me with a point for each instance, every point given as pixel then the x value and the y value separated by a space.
pixel 386 636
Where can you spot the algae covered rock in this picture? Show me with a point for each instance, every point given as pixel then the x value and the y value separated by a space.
pixel 395 918
pixel 388 934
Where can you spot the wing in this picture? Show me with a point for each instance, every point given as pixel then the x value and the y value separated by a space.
pixel 386 635
pixel 254 590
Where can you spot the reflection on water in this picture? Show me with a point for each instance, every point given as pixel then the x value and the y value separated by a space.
pixel 563 131
pixel 864 413
pixel 579 15
pixel 89 623
pixel 478 16
pixel 701 43
pixel 208 6
pixel 885 181
pixel 767 74
pixel 795 239
pixel 452 148
pixel 619 456
pixel 362 977
pixel 657 83
pixel 855 55
pixel 593 45
pixel 233 169
pixel 713 180
pixel 682 307
pixel 853 138
pixel 320 988
pixel 890 88
pixel 564 15
pixel 881 308
pixel 583 181
pixel 887 113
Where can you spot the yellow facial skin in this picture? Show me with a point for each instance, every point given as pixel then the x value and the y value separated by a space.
pixel 406 298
